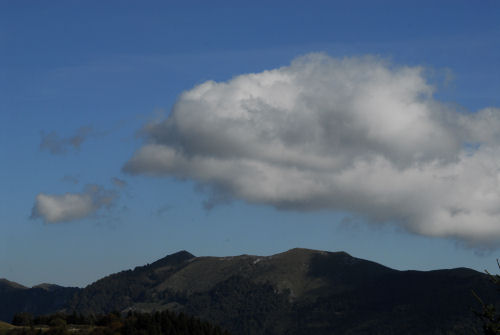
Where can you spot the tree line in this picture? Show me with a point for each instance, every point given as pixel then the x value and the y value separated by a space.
pixel 132 323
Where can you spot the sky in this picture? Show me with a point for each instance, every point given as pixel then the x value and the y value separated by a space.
pixel 132 130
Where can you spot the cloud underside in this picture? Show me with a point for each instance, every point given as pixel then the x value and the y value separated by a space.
pixel 72 206
pixel 354 134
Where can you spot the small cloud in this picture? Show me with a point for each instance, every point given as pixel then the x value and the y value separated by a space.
pixel 70 179
pixel 118 182
pixel 72 206
pixel 58 145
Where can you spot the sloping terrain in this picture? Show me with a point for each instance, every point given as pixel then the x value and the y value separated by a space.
pixel 5 325
pixel 296 292
pixel 15 298
pixel 299 291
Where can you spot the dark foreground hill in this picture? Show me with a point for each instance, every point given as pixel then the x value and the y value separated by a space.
pixel 296 292
pixel 41 299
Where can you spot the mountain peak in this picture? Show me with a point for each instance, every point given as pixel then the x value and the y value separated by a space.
pixel 10 284
pixel 174 259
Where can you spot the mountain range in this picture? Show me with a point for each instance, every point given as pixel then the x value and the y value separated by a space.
pixel 300 291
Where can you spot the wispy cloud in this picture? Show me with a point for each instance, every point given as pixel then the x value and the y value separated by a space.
pixel 53 208
pixel 117 182
pixel 354 134
pixel 58 145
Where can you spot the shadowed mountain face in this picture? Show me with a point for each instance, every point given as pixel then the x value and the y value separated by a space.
pixel 296 292
pixel 41 299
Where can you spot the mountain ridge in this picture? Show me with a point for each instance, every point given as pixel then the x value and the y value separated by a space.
pixel 298 291
pixel 6 282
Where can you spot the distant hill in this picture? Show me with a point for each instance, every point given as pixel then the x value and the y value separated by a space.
pixel 300 291
pixel 7 285
pixel 16 298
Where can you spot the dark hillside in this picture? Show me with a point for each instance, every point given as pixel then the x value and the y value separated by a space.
pixel 300 291
pixel 15 298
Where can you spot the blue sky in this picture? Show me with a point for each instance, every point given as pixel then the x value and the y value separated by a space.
pixel 86 87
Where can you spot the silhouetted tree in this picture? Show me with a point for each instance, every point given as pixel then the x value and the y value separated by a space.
pixel 490 318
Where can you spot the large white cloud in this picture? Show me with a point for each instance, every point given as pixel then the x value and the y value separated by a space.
pixel 355 134
pixel 72 206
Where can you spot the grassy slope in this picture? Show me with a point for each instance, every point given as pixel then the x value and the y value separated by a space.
pixel 5 325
